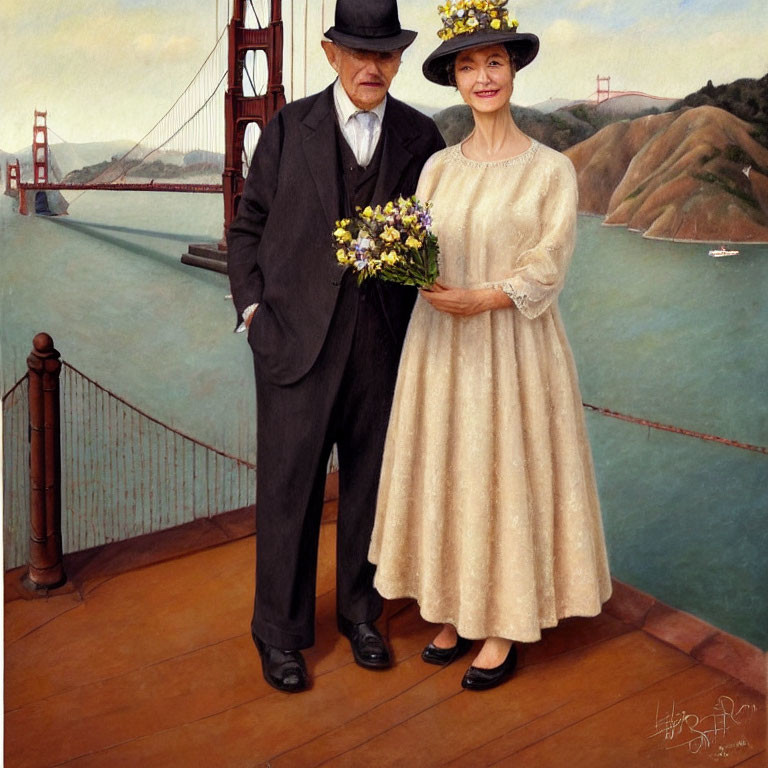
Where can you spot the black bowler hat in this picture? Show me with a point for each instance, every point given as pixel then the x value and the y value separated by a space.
pixel 474 24
pixel 369 25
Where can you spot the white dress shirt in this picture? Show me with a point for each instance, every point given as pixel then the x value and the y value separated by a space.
pixel 362 139
pixel 362 131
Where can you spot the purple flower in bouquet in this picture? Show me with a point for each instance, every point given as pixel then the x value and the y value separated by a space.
pixel 393 242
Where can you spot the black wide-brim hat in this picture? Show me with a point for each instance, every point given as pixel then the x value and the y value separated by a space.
pixel 369 25
pixel 524 46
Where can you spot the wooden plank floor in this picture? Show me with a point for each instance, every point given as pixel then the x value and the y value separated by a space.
pixel 155 667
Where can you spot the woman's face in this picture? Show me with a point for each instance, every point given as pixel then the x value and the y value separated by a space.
pixel 484 77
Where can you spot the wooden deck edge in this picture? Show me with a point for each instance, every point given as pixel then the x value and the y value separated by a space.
pixel 118 557
pixel 691 635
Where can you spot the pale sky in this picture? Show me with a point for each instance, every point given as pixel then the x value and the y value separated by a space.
pixel 108 69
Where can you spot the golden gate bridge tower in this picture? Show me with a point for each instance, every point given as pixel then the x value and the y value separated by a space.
pixel 244 111
pixel 250 61
pixel 241 110
pixel 40 148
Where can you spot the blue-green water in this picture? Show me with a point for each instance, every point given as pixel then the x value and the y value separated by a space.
pixel 659 330
pixel 106 282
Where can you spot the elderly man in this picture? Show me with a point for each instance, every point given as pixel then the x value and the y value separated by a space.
pixel 325 351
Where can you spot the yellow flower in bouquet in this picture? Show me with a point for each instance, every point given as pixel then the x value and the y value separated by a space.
pixel 392 242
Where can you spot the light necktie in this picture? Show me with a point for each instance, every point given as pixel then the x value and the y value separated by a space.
pixel 367 122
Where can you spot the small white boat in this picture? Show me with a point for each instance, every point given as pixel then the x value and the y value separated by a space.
pixel 722 251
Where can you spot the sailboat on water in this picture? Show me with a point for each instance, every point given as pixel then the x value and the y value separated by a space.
pixel 722 251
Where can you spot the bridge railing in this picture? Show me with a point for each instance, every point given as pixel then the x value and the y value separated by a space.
pixel 15 408
pixel 123 472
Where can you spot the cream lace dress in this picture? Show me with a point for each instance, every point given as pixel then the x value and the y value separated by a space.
pixel 487 510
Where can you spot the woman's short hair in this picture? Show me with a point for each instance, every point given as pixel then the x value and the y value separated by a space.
pixel 450 63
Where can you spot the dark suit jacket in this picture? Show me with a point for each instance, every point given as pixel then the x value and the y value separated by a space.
pixel 281 252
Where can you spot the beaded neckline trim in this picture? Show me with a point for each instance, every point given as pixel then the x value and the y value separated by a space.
pixel 523 157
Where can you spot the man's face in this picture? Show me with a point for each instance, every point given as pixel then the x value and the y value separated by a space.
pixel 365 75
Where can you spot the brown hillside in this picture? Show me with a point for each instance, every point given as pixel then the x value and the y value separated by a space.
pixel 602 160
pixel 759 184
pixel 677 175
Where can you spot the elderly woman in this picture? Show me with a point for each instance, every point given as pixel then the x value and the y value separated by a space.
pixel 487 510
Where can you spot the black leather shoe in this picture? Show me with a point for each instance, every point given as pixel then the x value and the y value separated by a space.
pixel 368 646
pixel 284 670
pixel 479 679
pixel 434 655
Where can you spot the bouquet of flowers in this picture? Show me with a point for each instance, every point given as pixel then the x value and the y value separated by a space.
pixel 392 242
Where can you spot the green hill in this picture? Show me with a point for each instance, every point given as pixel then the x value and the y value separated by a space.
pixel 746 98
pixel 559 129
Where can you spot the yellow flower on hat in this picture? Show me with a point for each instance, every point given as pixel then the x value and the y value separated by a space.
pixel 462 17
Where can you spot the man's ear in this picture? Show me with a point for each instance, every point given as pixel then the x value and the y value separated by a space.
pixel 331 53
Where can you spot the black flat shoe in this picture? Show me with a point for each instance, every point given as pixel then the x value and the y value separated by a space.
pixel 368 646
pixel 434 655
pixel 479 679
pixel 284 670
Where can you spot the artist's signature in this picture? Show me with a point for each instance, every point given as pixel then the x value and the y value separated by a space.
pixel 698 733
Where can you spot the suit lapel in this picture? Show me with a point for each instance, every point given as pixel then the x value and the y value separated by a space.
pixel 321 153
pixel 319 144
pixel 396 156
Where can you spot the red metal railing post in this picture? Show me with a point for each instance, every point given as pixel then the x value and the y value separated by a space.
pixel 46 569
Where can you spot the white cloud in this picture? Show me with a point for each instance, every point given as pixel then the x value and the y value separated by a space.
pixel 603 5
pixel 106 70
pixel 102 71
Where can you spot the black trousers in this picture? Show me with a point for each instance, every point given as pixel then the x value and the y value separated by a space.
pixel 344 399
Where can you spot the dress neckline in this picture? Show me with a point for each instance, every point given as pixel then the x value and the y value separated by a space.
pixel 523 157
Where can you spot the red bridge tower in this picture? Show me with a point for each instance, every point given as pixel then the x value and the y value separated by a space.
pixel 243 110
pixel 40 148
pixel 603 89
pixel 12 178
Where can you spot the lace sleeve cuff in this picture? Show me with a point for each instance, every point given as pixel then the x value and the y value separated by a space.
pixel 520 299
pixel 535 285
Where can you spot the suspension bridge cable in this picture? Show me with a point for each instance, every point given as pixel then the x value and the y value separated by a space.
pixel 157 421
pixel 250 79
pixel 676 430
pixel 63 141
pixel 191 83
pixel 181 127
pixel 255 14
